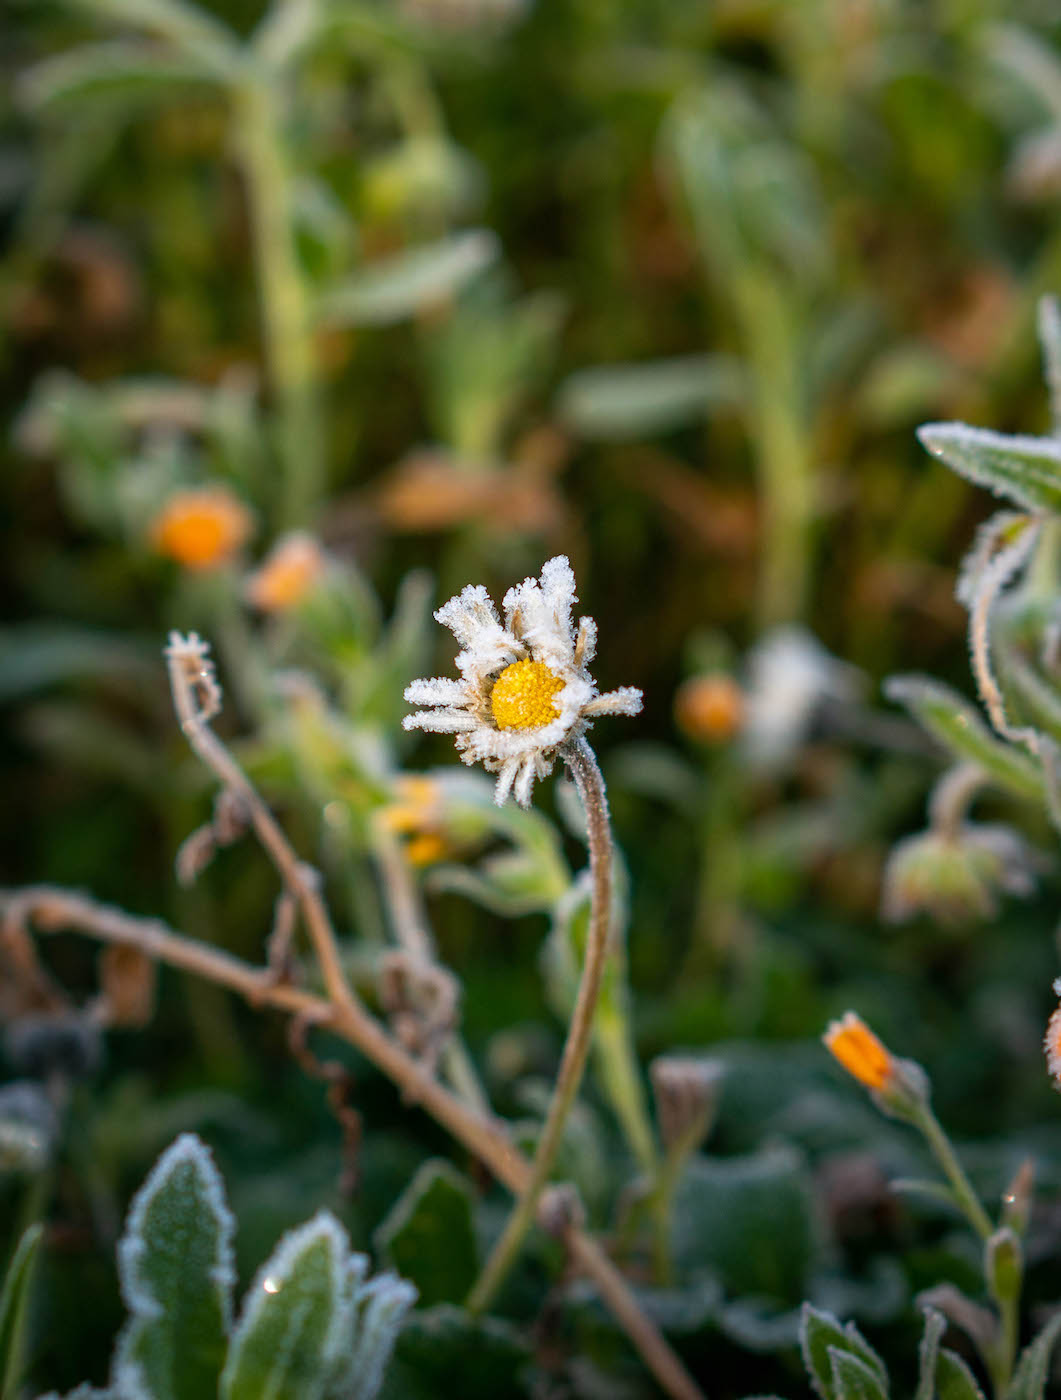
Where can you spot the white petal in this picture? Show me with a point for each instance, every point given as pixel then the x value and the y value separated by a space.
pixel 470 616
pixel 505 780
pixel 525 781
pixel 441 721
pixel 440 690
pixel 558 586
pixel 586 646
pixel 624 701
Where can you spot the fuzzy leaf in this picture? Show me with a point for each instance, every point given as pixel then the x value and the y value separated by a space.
pixel 117 72
pixel 297 1317
pixel 954 1380
pixel 821 1336
pixel 429 1236
pixel 14 1293
pixel 853 1378
pixel 1026 470
pixel 396 287
pixel 175 1265
pixel 928 1354
pixel 383 1305
pixel 957 724
pixel 1029 1380
pixel 622 401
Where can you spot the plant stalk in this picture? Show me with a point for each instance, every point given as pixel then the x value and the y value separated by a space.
pixel 287 335
pixel 945 1155
pixel 582 766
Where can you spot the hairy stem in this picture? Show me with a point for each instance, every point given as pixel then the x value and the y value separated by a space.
pixel 945 1155
pixel 53 909
pixel 583 768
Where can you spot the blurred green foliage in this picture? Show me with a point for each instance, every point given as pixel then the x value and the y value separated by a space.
pixel 457 285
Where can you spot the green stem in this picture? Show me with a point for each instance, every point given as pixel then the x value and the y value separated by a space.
pixel 286 329
pixel 944 1154
pixel 587 778
pixel 617 1068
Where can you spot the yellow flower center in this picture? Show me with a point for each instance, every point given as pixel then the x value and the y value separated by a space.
pixel 522 697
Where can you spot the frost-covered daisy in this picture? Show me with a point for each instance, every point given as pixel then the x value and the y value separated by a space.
pixel 525 689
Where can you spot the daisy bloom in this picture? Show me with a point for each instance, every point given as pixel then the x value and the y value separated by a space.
pixel 290 571
pixel 851 1042
pixel 201 528
pixel 525 689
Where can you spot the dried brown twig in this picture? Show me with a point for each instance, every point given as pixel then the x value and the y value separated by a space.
pixel 197 699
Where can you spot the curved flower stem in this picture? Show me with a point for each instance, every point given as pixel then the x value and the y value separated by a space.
pixel 582 765
pixel 944 1153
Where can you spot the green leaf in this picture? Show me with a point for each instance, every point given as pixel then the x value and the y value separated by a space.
pixel 191 29
pixel 751 1220
pixel 821 1337
pixel 446 1351
pixel 383 1305
pixel 853 1378
pixel 396 287
pixel 1029 1380
pixel 175 1265
pixel 118 72
pixel 13 1300
pixel 297 1318
pixel 928 1352
pixel 957 724
pixel 429 1235
pixel 1026 470
pixel 954 1380
pixel 624 401
pixel 34 656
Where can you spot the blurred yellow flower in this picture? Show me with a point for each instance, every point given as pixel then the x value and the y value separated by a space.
pixel 201 528
pixel 291 569
pixel 853 1045
pixel 710 707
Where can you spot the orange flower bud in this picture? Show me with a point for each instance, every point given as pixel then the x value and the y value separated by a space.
pixel 290 571
pixel 709 708
pixel 1052 1041
pixel 851 1042
pixel 201 528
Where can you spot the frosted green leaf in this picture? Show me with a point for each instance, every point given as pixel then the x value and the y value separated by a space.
pixel 954 1380
pixel 1026 470
pixel 1029 1380
pixel 821 1337
pixel 928 1352
pixel 383 1306
pixel 853 1378
pixel 297 1316
pixel 175 1266
pixel 116 72
pixel 957 724
pixel 396 287
pixel 429 1235
pixel 626 401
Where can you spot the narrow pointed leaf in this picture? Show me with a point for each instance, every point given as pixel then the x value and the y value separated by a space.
pixel 621 401
pixel 954 1380
pixel 397 287
pixel 14 1293
pixel 1029 1380
pixel 176 1270
pixel 852 1378
pixel 928 1353
pixel 819 1334
pixel 297 1316
pixel 116 72
pixel 1026 470
pixel 958 725
pixel 383 1305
